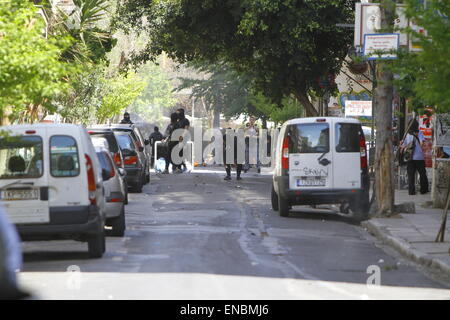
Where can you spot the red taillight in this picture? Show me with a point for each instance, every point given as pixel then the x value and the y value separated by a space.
pixel 116 200
pixel 363 151
pixel 92 186
pixel 30 132
pixel 132 160
pixel 118 160
pixel 285 154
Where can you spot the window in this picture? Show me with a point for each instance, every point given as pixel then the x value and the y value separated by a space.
pixel 111 140
pixel 309 138
pixel 64 161
pixel 21 157
pixel 347 137
pixel 125 141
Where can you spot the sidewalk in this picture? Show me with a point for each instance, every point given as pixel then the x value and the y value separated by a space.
pixel 413 234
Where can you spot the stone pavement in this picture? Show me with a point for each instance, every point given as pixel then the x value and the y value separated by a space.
pixel 413 234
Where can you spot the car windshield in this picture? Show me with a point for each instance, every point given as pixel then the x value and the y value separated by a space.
pixel 21 157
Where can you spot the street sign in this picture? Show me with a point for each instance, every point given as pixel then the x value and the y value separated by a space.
pixel 358 108
pixel 368 21
pixel 376 43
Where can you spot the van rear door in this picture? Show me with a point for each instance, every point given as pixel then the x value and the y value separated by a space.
pixel 310 155
pixel 23 175
pixel 347 155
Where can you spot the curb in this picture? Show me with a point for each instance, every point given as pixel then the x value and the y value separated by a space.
pixel 404 248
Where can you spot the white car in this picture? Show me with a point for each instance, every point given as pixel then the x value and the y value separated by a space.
pixel 51 184
pixel 114 192
pixel 321 161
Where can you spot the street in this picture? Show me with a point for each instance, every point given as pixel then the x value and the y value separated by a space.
pixel 196 236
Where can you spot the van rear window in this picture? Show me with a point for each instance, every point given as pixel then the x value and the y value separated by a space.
pixel 109 137
pixel 347 137
pixel 125 141
pixel 21 157
pixel 309 138
pixel 64 161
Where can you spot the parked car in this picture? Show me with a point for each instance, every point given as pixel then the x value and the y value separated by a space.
pixel 142 145
pixel 51 184
pixel 10 260
pixel 114 192
pixel 321 161
pixel 106 136
pixel 133 160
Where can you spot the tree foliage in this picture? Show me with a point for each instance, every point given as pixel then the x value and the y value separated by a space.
pixel 283 45
pixel 425 75
pixel 233 94
pixel 156 94
pixel 31 71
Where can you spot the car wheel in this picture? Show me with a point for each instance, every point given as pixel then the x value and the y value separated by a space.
pixel 283 206
pixel 274 198
pixel 118 225
pixel 96 245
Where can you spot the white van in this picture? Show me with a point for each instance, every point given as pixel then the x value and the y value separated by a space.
pixel 321 160
pixel 51 184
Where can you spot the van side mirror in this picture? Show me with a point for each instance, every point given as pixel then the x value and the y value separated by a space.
pixel 106 175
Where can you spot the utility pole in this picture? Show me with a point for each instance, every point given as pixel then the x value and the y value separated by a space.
pixel 384 157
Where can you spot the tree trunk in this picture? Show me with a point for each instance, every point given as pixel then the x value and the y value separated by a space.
pixel 384 156
pixel 302 97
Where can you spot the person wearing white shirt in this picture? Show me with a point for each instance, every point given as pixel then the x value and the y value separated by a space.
pixel 417 163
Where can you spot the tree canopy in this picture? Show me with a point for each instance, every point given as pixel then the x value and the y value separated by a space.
pixel 283 45
pixel 31 71
pixel 424 75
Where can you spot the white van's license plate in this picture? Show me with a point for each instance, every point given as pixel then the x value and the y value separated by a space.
pixel 311 182
pixel 25 194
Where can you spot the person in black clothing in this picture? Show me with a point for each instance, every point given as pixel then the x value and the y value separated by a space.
pixel 183 123
pixel 154 137
pixel 171 144
pixel 126 119
pixel 227 149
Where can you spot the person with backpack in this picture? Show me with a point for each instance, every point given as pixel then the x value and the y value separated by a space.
pixel 416 161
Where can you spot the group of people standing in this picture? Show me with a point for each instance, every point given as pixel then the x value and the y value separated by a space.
pixel 178 120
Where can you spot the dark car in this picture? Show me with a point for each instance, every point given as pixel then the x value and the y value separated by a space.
pixel 134 162
pixel 142 145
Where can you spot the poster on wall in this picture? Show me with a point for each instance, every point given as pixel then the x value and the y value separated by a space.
pixel 442 132
pixel 355 108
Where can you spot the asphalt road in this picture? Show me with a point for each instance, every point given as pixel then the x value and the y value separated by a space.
pixel 196 236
